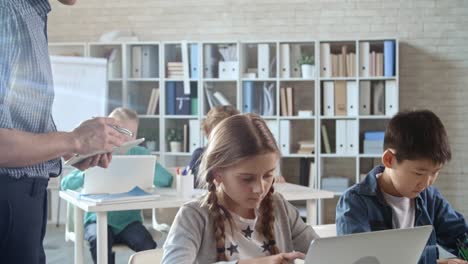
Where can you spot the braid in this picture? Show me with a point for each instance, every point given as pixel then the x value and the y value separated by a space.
pixel 215 209
pixel 267 220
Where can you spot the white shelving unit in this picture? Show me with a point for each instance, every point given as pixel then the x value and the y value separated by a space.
pixel 229 67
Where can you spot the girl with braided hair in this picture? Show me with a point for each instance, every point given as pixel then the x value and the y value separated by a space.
pixel 241 219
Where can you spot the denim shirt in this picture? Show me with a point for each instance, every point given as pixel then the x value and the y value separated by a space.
pixel 362 208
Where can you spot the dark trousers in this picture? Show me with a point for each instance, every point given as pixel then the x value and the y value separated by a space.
pixel 23 220
pixel 135 236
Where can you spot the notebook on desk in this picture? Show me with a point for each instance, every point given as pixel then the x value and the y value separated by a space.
pixel 381 247
pixel 122 175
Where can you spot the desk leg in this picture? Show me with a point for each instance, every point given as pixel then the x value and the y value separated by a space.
pixel 101 219
pixel 311 212
pixel 79 236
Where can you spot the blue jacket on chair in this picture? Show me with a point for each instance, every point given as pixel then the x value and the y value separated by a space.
pixel 362 208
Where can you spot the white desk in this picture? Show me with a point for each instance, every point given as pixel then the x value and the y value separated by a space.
pixel 168 199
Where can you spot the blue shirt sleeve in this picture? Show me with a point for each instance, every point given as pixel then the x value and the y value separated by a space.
pixel 448 223
pixel 351 214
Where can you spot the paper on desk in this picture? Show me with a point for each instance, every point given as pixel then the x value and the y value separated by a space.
pixel 136 194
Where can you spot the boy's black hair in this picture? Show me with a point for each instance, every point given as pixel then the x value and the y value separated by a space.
pixel 416 135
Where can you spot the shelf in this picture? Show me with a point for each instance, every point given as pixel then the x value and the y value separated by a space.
pixel 143 79
pixel 259 80
pixel 218 80
pixel 297 117
pixel 373 156
pixel 181 117
pixel 338 78
pixel 338 117
pixel 338 155
pixel 377 78
pixel 149 116
pixel 115 80
pixel 296 80
pixel 375 117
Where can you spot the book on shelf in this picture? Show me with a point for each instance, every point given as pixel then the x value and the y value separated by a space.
pixel 306 147
pixel 175 70
pixel 194 61
pixel 153 102
pixel 290 100
pixel 283 102
pixel 325 60
pixel 170 98
pixel 326 141
pixel 389 58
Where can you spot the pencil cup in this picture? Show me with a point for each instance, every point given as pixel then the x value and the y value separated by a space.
pixel 185 185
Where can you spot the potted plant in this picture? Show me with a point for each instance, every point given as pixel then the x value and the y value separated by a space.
pixel 174 137
pixel 307 64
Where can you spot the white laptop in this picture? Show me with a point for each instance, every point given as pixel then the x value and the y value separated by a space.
pixel 380 247
pixel 122 175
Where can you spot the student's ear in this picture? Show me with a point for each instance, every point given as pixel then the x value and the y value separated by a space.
pixel 388 158
pixel 217 176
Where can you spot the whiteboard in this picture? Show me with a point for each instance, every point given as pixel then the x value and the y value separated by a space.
pixel 80 86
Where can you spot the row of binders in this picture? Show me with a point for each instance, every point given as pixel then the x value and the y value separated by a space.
pixel 287 101
pixel 344 98
pixel 145 61
pixel 258 97
pixel 346 138
pixel 179 101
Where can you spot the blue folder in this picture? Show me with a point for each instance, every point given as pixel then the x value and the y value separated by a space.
pixel 389 58
pixel 170 98
pixel 248 96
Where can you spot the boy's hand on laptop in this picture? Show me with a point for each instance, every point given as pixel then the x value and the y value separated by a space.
pixel 281 258
pixel 451 261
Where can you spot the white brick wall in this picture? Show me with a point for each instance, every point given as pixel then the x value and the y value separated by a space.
pixel 433 44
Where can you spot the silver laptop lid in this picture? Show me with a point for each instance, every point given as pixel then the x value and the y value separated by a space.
pixel 123 173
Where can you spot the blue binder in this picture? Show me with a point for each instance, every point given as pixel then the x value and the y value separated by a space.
pixel 182 100
pixel 389 58
pixel 170 98
pixel 248 96
pixel 194 61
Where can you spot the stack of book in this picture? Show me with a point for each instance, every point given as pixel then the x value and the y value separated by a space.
pixel 175 70
pixel 337 64
pixel 373 142
pixel 306 147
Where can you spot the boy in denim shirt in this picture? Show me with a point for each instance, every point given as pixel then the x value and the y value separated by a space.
pixel 399 193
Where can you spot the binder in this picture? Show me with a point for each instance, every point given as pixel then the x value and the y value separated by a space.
pixel 391 98
pixel 364 51
pixel 248 96
pixel 325 60
pixel 304 167
pixel 186 138
pixel 210 61
pixel 170 98
pixel 352 98
pixel 378 98
pixel 340 98
pixel 328 98
pixel 285 70
pixel 285 134
pixel 364 98
pixel 340 139
pixel 263 60
pixel 273 126
pixel 182 100
pixel 194 135
pixel 295 56
pixel 136 61
pixel 352 138
pixel 389 58
pixel 194 61
pixel 149 62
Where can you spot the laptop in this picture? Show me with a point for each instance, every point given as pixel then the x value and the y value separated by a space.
pixel 122 175
pixel 380 247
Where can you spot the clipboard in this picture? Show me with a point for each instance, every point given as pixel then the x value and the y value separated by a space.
pixel 117 151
